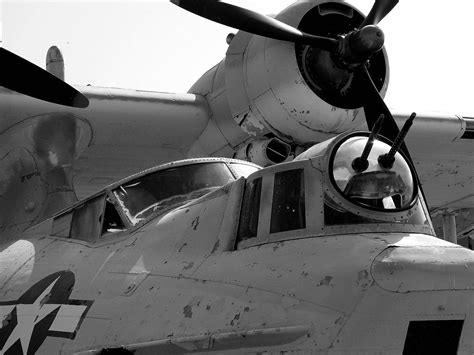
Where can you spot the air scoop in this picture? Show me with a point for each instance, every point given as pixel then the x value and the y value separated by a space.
pixel 424 268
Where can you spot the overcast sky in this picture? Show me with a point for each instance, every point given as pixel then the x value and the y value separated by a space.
pixel 154 45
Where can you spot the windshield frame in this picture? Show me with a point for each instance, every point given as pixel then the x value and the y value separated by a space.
pixel 158 211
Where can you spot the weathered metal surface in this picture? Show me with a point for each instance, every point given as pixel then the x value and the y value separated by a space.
pixel 443 159
pixel 180 281
pixel 217 342
pixel 180 285
pixel 424 268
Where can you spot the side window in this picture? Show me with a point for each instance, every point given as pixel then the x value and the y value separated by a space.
pixel 112 221
pixel 250 210
pixel 288 204
pixel 87 219
pixel 95 218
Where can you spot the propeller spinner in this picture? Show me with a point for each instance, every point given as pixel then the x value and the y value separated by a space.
pixel 29 79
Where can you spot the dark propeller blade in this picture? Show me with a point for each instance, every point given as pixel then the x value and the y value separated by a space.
pixel 380 9
pixel 374 105
pixel 24 77
pixel 252 22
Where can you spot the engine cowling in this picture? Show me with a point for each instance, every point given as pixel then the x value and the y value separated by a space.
pixel 293 91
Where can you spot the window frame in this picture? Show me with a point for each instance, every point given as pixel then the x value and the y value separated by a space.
pixel 313 208
pixel 67 218
pixel 284 198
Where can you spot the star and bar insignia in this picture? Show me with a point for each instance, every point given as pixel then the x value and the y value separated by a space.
pixel 44 310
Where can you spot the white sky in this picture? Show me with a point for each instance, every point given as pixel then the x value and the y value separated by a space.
pixel 154 45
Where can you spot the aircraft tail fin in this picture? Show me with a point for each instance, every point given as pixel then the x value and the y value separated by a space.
pixel 55 62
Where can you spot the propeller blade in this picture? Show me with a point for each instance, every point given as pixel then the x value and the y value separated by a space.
pixel 252 22
pixel 24 77
pixel 380 9
pixel 374 106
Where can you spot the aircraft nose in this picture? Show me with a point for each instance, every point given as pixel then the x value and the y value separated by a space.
pixel 424 268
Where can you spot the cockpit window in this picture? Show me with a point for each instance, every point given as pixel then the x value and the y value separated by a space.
pixel 112 221
pixel 376 187
pixel 288 206
pixel 95 218
pixel 250 210
pixel 168 188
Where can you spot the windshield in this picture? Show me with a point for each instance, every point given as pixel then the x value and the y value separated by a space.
pixel 168 188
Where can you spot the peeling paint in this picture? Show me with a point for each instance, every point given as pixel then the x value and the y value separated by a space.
pixel 195 223
pixel 278 245
pixel 188 266
pixel 235 319
pixel 326 281
pixel 188 311
pixel 301 123
pixel 363 280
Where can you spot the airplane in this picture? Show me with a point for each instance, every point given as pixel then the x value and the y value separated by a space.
pixel 265 112
pixel 331 252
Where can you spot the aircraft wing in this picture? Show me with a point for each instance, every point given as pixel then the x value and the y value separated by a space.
pixel 443 152
pixel 120 133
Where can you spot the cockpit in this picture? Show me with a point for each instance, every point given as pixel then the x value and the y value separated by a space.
pixel 164 189
pixel 139 198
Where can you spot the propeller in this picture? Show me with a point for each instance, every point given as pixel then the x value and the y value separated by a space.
pixel 380 9
pixel 356 46
pixel 252 22
pixel 374 105
pixel 27 78
pixel 350 52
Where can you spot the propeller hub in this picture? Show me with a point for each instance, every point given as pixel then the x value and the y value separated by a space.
pixel 358 46
pixel 367 40
pixel 334 75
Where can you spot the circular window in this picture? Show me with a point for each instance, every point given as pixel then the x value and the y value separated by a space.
pixel 375 187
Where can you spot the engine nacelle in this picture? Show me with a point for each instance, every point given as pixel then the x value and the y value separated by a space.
pixel 293 91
